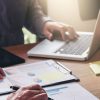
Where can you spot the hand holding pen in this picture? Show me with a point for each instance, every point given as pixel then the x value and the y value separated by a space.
pixel 32 92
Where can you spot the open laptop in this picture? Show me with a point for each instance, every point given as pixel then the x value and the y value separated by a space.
pixel 81 49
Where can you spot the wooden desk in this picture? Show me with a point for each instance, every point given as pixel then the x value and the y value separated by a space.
pixel 81 69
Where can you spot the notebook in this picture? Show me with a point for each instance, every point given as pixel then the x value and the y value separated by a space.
pixel 81 49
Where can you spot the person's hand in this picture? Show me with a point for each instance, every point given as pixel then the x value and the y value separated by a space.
pixel 32 92
pixel 66 32
pixel 2 74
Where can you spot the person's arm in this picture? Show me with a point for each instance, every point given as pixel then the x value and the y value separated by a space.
pixel 35 18
pixel 32 92
pixel 41 25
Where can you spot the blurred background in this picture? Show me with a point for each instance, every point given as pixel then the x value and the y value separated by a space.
pixel 81 14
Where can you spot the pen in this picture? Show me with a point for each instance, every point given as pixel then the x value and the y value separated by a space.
pixel 64 67
pixel 6 92
pixel 17 87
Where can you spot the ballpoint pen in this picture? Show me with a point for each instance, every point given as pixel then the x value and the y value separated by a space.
pixel 6 92
pixel 17 87
pixel 64 67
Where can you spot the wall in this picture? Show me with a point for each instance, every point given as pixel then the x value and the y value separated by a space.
pixel 43 4
pixel 67 11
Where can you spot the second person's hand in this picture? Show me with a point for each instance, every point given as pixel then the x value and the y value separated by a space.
pixel 32 92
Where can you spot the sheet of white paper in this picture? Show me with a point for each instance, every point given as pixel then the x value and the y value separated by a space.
pixel 3 97
pixel 43 73
pixel 31 73
pixel 4 86
pixel 71 91
pixel 5 83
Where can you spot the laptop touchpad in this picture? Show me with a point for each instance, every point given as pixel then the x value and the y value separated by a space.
pixel 47 46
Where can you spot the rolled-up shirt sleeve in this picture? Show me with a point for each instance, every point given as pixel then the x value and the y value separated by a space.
pixel 35 18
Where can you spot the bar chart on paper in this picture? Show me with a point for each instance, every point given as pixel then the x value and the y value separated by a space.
pixel 70 91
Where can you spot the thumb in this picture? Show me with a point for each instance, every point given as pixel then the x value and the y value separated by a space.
pixel 49 35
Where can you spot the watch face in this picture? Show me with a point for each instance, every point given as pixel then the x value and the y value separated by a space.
pixel 9 59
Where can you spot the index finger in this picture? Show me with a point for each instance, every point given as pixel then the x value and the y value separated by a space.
pixel 33 87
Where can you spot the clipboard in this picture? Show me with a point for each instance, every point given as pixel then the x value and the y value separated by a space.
pixel 45 73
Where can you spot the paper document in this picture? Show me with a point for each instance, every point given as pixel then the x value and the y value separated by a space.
pixel 70 91
pixel 4 87
pixel 3 97
pixel 44 73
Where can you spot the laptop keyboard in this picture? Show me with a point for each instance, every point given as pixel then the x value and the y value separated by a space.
pixel 76 47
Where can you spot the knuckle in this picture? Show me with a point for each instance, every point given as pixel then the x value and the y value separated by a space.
pixel 62 27
pixel 37 85
pixel 23 88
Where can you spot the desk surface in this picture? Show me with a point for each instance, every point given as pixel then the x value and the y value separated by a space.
pixel 81 69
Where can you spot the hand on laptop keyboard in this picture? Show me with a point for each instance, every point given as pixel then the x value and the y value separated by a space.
pixel 52 29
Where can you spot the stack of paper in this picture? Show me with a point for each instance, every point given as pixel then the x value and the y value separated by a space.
pixel 53 76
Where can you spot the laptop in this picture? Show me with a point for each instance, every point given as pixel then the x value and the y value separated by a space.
pixel 81 49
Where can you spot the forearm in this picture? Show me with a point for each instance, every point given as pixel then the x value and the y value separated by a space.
pixel 35 18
